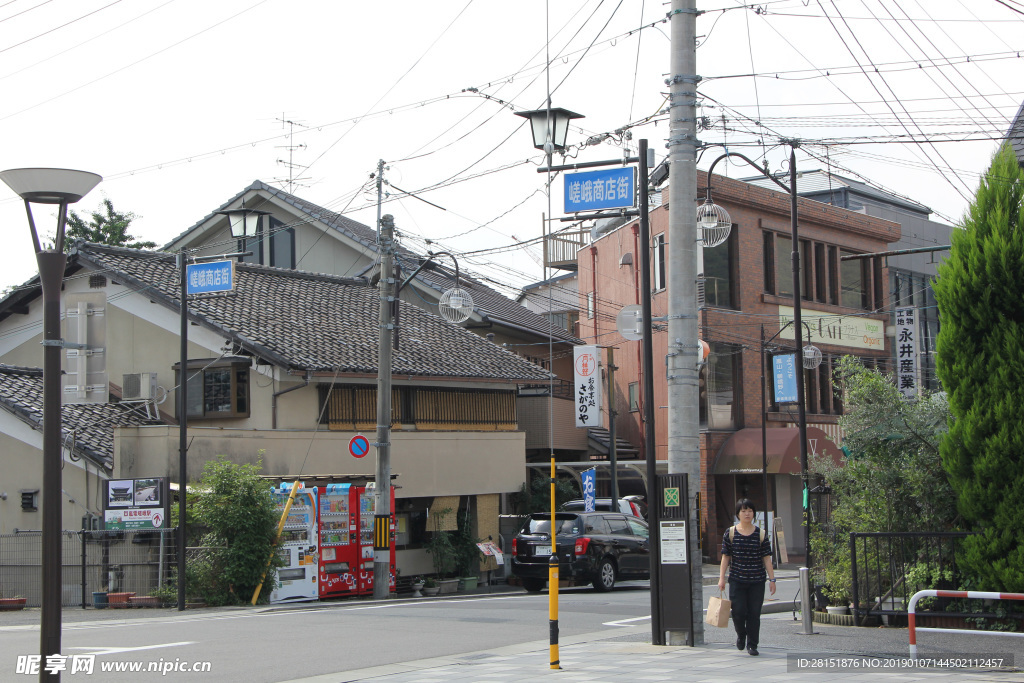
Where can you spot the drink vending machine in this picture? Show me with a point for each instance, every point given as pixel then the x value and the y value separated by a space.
pixel 297 578
pixel 345 535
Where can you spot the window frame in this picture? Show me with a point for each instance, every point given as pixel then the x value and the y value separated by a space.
pixel 240 391
pixel 633 396
pixel 658 274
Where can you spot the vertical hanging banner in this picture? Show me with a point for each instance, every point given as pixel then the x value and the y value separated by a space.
pixel 906 351
pixel 589 478
pixel 785 377
pixel 587 386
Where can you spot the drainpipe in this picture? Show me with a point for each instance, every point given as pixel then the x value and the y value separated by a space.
pixel 273 399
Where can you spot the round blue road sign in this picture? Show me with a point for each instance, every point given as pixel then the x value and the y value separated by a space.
pixel 358 446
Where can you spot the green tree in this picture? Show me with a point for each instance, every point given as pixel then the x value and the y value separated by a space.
pixel 236 508
pixel 106 226
pixel 892 479
pixel 980 361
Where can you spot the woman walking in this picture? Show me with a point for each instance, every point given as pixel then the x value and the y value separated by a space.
pixel 748 551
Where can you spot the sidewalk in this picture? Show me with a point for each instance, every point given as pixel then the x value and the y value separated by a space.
pixel 600 658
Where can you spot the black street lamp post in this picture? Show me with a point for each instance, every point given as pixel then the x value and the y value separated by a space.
pixel 797 319
pixel 61 187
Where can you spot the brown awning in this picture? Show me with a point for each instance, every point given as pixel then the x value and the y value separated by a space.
pixel 741 454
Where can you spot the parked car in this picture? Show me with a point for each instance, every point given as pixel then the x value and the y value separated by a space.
pixel 592 547
pixel 630 505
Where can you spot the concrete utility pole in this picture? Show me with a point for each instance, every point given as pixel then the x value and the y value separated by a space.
pixel 382 493
pixel 683 355
pixel 612 445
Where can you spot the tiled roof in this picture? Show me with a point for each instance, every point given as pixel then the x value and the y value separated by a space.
pixel 493 305
pixel 315 323
pixel 87 427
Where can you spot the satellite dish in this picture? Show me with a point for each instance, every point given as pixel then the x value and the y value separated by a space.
pixel 456 305
pixel 629 322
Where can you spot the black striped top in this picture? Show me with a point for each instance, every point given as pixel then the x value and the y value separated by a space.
pixel 746 565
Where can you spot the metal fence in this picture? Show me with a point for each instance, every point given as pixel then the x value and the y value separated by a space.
pixel 114 561
pixel 888 568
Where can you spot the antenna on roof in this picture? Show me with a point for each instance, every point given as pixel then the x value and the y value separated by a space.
pixel 289 184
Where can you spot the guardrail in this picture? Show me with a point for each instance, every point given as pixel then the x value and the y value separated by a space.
pixel 979 595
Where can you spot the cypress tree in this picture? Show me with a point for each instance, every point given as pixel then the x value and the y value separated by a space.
pixel 980 361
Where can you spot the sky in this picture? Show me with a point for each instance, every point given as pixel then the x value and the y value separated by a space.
pixel 180 104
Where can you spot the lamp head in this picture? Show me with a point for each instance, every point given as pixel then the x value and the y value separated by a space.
pixel 50 185
pixel 559 127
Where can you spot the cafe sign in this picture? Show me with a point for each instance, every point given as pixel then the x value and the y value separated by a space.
pixel 850 331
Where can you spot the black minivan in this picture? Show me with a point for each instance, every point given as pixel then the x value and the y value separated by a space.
pixel 593 547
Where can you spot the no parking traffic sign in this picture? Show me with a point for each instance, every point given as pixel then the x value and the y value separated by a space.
pixel 358 446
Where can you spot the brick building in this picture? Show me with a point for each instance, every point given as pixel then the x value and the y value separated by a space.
pixel 748 287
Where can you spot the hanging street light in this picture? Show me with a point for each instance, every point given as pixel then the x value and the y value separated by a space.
pixel 59 186
pixel 559 127
pixel 243 222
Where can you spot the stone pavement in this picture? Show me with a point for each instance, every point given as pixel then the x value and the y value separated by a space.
pixel 616 658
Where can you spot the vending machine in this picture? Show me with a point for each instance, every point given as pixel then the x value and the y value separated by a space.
pixel 297 548
pixel 364 498
pixel 339 547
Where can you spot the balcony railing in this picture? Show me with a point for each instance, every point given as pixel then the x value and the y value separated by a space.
pixel 560 248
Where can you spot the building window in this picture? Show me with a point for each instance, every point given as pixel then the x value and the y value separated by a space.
pixel 590 305
pixel 282 245
pixel 719 379
pixel 658 264
pixel 216 388
pixel 824 277
pixel 634 397
pixel 718 274
pixel 853 276
pixel 274 246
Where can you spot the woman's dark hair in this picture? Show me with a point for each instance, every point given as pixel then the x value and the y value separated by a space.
pixel 745 503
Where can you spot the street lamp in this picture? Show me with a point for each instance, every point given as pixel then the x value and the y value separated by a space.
pixel 58 186
pixel 797 319
pixel 559 127
pixel 244 223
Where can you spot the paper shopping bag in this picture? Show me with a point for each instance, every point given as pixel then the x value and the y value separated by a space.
pixel 718 611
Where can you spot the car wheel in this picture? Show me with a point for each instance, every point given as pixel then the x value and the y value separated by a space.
pixel 605 580
pixel 533 585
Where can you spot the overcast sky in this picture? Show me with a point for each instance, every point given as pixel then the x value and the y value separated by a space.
pixel 180 104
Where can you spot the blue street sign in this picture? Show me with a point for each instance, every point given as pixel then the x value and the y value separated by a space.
pixel 784 366
pixel 589 486
pixel 215 276
pixel 605 189
pixel 358 446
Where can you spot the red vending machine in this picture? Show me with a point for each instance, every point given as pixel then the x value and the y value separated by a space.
pixel 297 578
pixel 363 502
pixel 339 548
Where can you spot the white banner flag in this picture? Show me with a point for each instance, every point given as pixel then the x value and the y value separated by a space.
pixel 587 387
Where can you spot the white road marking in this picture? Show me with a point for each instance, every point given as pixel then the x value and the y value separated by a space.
pixel 625 622
pixel 97 650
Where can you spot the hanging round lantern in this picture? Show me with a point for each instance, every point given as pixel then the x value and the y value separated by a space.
pixel 812 356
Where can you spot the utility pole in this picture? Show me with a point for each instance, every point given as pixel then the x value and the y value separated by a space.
pixel 613 455
pixel 382 493
pixel 683 355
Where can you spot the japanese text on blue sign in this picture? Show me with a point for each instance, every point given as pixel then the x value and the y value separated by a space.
pixel 604 189
pixel 589 488
pixel 785 377
pixel 216 276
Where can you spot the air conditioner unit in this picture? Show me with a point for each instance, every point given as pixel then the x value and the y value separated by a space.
pixel 138 386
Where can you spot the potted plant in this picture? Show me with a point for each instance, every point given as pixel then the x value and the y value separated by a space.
pixel 417 586
pixel 442 550
pixel 430 587
pixel 467 555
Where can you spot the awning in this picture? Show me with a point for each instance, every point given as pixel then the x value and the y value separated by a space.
pixel 741 454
